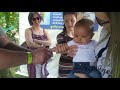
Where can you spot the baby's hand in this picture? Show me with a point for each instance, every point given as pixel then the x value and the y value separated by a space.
pixel 72 50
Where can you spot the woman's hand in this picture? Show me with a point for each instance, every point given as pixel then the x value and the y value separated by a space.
pixel 72 50
pixel 37 41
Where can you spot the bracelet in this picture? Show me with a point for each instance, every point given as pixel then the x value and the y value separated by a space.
pixel 29 57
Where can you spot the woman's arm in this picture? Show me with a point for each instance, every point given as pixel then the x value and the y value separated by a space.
pixel 46 43
pixel 29 40
pixel 102 16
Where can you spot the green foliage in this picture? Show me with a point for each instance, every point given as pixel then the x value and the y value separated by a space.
pixel 8 19
pixel 10 23
pixel 8 73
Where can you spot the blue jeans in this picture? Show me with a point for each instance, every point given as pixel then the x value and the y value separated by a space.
pixel 85 68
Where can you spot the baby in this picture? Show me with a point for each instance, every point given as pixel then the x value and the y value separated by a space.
pixel 84 60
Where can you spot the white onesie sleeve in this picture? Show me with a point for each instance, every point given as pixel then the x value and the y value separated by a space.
pixel 69 43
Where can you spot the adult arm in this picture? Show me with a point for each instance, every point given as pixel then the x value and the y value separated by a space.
pixel 29 40
pixel 47 42
pixel 103 17
pixel 10 58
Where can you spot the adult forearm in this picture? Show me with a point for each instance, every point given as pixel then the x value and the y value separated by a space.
pixel 12 46
pixel 61 48
pixel 34 45
pixel 102 16
pixel 10 58
pixel 46 43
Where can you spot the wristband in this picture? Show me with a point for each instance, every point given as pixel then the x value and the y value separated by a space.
pixel 29 57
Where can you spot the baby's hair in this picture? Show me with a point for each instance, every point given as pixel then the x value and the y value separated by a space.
pixel 85 22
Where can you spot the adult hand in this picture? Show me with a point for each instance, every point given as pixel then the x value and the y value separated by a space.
pixel 35 40
pixel 72 50
pixel 62 48
pixel 41 55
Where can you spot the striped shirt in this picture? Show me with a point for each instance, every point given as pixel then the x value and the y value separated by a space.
pixel 65 62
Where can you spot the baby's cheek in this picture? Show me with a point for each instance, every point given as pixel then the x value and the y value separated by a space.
pixel 75 40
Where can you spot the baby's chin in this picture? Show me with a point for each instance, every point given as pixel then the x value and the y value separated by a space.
pixel 77 41
pixel 81 43
pixel 84 43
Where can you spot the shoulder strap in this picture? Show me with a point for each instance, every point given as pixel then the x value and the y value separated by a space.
pixel 60 38
pixel 65 39
pixel 44 31
pixel 103 49
pixel 31 30
pixel 65 36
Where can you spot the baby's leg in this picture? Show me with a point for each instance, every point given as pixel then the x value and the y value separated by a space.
pixel 72 75
pixel 95 73
pixel 80 70
pixel 81 75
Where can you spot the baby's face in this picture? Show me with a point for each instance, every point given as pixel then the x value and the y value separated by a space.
pixel 82 35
